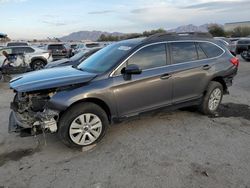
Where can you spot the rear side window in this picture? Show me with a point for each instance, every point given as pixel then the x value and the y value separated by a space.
pixel 22 50
pixel 150 57
pixel 28 50
pixel 183 52
pixel 210 49
pixel 201 53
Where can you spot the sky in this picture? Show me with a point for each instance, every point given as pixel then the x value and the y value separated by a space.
pixel 38 19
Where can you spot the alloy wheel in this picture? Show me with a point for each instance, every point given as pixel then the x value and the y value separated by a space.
pixel 85 129
pixel 214 99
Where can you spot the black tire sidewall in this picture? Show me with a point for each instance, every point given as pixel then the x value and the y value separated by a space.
pixel 71 114
pixel 205 103
pixel 35 62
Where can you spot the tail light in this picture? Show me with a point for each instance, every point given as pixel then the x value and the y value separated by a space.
pixel 235 61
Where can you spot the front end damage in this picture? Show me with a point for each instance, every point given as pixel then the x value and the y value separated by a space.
pixel 30 114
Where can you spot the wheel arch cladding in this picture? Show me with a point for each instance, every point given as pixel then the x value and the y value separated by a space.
pixel 96 101
pixel 220 80
pixel 38 58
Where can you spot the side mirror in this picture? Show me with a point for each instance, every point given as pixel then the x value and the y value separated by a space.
pixel 131 69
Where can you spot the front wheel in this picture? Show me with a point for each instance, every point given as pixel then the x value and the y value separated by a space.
pixel 38 65
pixel 82 125
pixel 212 98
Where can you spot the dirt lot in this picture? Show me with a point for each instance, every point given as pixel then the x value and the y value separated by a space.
pixel 177 149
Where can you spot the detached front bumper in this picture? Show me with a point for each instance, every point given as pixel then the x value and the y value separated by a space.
pixel 13 123
pixel 17 125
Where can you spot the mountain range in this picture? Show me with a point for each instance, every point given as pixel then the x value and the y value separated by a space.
pixel 87 35
pixel 94 35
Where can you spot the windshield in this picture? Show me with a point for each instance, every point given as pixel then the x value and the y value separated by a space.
pixel 77 56
pixel 106 58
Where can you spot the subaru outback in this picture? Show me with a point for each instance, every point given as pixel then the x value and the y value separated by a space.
pixel 122 80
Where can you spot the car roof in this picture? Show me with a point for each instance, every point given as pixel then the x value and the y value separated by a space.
pixel 19 47
pixel 244 39
pixel 165 37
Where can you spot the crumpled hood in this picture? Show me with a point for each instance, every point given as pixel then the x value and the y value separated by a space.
pixel 50 78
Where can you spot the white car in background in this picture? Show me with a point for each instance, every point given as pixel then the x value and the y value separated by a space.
pixel 87 46
pixel 10 44
pixel 33 57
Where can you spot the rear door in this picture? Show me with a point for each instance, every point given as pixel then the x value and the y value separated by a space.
pixel 188 70
pixel 148 90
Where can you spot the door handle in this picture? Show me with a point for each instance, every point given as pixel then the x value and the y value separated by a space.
pixel 206 67
pixel 166 76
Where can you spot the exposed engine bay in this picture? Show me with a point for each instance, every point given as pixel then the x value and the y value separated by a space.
pixel 31 115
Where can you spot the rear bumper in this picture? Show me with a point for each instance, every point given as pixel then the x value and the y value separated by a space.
pixel 229 78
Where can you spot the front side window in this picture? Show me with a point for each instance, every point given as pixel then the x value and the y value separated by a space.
pixel 150 57
pixel 183 52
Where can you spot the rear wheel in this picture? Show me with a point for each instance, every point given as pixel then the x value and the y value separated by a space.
pixel 212 98
pixel 82 125
pixel 38 64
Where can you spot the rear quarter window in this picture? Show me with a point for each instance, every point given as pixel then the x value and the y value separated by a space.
pixel 211 50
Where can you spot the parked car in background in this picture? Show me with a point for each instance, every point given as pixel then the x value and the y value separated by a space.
pixel 87 46
pixel 35 58
pixel 10 44
pixel 74 60
pixel 59 51
pixel 246 54
pixel 123 80
pixel 242 45
pixel 73 46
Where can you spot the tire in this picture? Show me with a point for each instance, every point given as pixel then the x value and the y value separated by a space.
pixel 245 56
pixel 37 64
pixel 213 88
pixel 73 130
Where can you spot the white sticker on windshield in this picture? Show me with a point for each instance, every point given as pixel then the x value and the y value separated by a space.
pixel 125 48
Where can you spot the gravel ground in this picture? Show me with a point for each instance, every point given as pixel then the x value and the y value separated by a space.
pixel 177 149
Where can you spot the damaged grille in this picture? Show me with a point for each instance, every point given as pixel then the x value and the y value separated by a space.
pixel 31 111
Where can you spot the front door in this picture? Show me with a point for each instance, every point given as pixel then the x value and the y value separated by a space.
pixel 150 89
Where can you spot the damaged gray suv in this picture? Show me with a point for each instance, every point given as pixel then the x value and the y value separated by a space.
pixel 122 80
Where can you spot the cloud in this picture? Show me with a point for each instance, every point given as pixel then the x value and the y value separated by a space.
pixel 54 23
pixel 169 14
pixel 12 1
pixel 220 5
pixel 101 12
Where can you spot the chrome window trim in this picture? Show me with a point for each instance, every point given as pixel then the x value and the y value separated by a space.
pixel 166 42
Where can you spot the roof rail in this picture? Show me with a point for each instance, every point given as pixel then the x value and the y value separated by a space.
pixel 178 35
